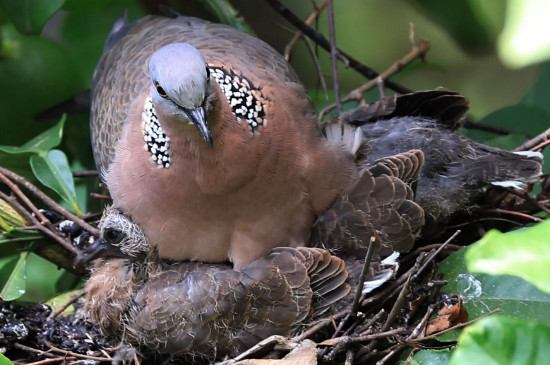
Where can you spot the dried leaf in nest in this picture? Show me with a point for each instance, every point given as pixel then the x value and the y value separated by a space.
pixel 450 315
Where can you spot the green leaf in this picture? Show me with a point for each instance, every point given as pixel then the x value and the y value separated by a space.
pixel 482 293
pixel 29 16
pixel 431 357
pixel 59 300
pixel 4 360
pixel 52 169
pixel 16 283
pixel 537 95
pixel 499 340
pixel 42 143
pixel 524 253
pixel 476 37
pixel 224 12
pixel 9 217
pixel 535 120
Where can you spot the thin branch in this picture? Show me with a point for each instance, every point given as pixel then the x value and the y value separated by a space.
pixel 318 68
pixel 49 201
pixel 23 197
pixel 324 43
pixel 517 214
pixel 363 275
pixel 17 206
pixel 532 144
pixel 333 56
pixel 71 300
pixel 299 34
pixel 432 256
pixel 419 50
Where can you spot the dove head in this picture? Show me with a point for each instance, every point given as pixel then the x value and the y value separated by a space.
pixel 119 237
pixel 181 84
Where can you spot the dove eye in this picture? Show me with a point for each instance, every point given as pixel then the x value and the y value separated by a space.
pixel 161 91
pixel 113 235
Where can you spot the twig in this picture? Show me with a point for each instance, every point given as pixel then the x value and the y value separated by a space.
pixel 460 325
pixel 526 197
pixel 86 173
pixel 541 145
pixel 510 212
pixel 396 308
pixel 49 201
pixel 358 339
pixel 23 197
pixel 260 345
pixel 320 324
pixel 299 34
pixel 320 39
pixel 71 300
pixel 362 276
pixel 333 56
pixel 486 128
pixel 422 324
pixel 62 359
pixel 532 144
pixel 31 349
pixel 419 50
pixel 90 357
pixel 433 255
pixel 17 206
pixel 318 68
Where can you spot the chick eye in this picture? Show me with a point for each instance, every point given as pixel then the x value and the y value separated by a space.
pixel 207 74
pixel 160 90
pixel 113 235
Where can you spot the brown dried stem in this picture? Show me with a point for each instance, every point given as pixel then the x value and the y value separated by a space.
pixel 299 34
pixel 419 50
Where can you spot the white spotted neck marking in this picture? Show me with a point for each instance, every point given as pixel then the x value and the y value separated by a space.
pixel 246 101
pixel 156 140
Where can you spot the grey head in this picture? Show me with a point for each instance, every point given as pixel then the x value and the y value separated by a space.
pixel 181 83
pixel 119 237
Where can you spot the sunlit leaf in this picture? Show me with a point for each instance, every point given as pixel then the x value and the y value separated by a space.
pixel 498 340
pixel 9 217
pixel 524 253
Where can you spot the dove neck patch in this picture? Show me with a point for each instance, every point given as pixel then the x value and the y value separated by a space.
pixel 156 140
pixel 246 101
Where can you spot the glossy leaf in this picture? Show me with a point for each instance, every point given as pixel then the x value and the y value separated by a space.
pixel 52 169
pixel 42 143
pixel 431 357
pixel 524 253
pixel 482 293
pixel 498 340
pixel 29 16
pixel 537 95
pixel 16 282
pixel 4 360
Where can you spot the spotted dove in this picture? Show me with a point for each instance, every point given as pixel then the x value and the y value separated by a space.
pixel 197 308
pixel 456 168
pixel 211 145
pixel 201 309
